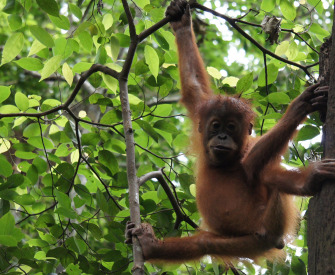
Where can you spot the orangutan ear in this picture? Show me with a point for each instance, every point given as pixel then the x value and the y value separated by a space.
pixel 250 128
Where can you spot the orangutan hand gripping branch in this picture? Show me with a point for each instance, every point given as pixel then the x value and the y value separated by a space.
pixel 243 194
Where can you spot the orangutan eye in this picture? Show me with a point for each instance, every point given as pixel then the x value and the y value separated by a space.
pixel 215 125
pixel 231 126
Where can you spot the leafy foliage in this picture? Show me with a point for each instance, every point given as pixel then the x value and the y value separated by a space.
pixel 64 197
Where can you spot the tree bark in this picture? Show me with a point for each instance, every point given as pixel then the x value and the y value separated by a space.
pixel 320 215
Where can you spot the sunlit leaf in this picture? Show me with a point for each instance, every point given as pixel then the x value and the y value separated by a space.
pixel 151 58
pixel 142 3
pixel 4 93
pixel 42 36
pixel 86 40
pixel 279 98
pixel 36 47
pixel 61 22
pixel 288 10
pixel 12 48
pixel 214 72
pixel 67 73
pixel 107 21
pixel 231 81
pixel 244 83
pixel 29 63
pixel 51 66
pixel 21 101
pixel 268 5
pixel 75 10
pixel 272 73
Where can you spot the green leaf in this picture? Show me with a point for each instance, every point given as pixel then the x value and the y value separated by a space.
pixel 78 202
pixel 272 116
pixel 181 141
pixel 42 36
pixel 4 93
pixel 268 5
pixel 9 234
pixel 73 269
pixel 282 48
pixel 272 71
pixel 9 109
pixel 75 10
pixel 41 165
pixel 36 47
pixel 279 98
pixel 7 240
pixel 67 73
pixel 107 159
pixel 148 129
pixel 317 4
pixel 110 82
pixel 244 83
pixel 49 104
pixel 162 41
pixel 71 46
pixel 298 266
pixel 66 170
pixel 6 168
pixel 166 126
pixel 288 10
pixel 86 40
pixel 14 21
pixel 61 22
pixel 30 64
pixel 81 67
pixel 25 199
pixel 21 101
pixel 12 48
pixel 101 57
pixel 134 100
pixel 7 223
pixel 2 4
pixel 68 213
pixel 193 190
pixel 95 230
pixel 101 201
pixel 62 199
pixel 49 6
pixel 186 181
pixel 142 3
pixel 292 51
pixel 83 192
pixel 51 66
pixel 110 117
pixel 317 29
pixel 152 59
pixel 115 47
pixel 107 21
pixel 308 132
pixel 37 142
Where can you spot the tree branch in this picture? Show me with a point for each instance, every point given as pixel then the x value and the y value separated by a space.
pixel 94 68
pixel 176 207
pixel 134 201
pixel 232 22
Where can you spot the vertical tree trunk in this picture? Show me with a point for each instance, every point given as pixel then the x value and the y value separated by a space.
pixel 321 214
